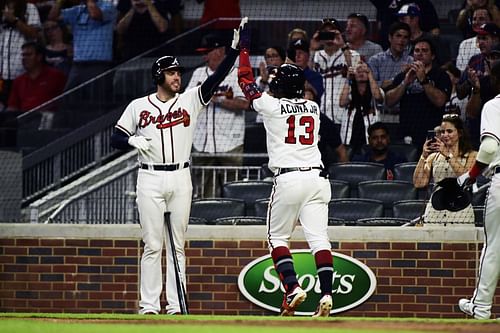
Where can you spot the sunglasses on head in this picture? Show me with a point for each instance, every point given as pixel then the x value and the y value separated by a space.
pixel 330 20
pixel 450 116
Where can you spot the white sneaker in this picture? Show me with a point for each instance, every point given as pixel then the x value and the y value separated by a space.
pixel 292 300
pixel 476 311
pixel 324 306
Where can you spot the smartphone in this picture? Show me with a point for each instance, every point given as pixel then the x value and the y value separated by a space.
pixel 431 135
pixel 327 35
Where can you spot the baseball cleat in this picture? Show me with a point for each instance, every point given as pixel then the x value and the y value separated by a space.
pixel 469 308
pixel 292 300
pixel 149 312
pixel 324 306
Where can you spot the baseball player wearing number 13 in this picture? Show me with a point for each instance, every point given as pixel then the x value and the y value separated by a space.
pixel 301 189
pixel 160 126
pixel 479 306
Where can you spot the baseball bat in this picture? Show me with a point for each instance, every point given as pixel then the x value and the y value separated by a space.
pixel 181 291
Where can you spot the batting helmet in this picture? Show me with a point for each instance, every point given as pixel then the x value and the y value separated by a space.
pixel 161 65
pixel 448 195
pixel 287 81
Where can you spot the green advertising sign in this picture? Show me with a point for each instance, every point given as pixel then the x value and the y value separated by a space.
pixel 353 282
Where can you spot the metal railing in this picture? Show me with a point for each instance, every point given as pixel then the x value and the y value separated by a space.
pixel 112 200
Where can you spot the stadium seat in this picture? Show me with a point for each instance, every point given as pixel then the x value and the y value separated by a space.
pixel 248 191
pixel 241 220
pixel 408 209
pixel 261 207
pixel 479 197
pixel 404 171
pixel 387 191
pixel 382 222
pixel 478 216
pixel 197 220
pixel 353 209
pixel 332 221
pixel 407 150
pixel 212 209
pixel 340 189
pixel 355 172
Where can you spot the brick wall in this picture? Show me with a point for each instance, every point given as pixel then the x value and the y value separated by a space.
pixel 415 279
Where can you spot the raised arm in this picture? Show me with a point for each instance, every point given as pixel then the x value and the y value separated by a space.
pixel 212 82
pixel 245 73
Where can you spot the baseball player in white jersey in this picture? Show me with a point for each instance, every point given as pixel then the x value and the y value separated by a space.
pixel 292 125
pixel 332 62
pixel 160 126
pixel 479 306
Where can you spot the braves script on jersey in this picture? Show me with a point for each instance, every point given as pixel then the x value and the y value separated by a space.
pixel 170 125
pixel 292 127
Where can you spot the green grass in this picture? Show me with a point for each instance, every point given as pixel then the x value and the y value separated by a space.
pixel 128 323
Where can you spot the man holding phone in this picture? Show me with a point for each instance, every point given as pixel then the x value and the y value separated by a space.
pixel 422 91
pixel 332 63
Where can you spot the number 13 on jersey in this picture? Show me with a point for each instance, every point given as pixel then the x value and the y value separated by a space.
pixel 305 122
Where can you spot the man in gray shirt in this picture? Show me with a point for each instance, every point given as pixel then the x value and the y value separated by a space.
pixel 387 64
pixel 356 34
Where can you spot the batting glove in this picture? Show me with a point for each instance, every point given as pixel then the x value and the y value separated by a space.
pixel 236 33
pixel 466 181
pixel 142 143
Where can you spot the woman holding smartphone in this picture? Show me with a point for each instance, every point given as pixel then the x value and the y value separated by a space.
pixel 448 154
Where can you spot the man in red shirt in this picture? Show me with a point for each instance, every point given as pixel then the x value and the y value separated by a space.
pixel 39 84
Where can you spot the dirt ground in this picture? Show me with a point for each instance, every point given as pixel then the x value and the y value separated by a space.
pixel 394 326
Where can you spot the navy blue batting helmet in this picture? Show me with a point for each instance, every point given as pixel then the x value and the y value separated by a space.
pixel 162 64
pixel 288 81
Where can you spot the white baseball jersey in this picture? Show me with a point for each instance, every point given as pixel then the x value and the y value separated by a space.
pixel 333 69
pixel 219 129
pixel 466 50
pixel 489 270
pixel 170 125
pixel 11 40
pixel 292 127
pixel 490 124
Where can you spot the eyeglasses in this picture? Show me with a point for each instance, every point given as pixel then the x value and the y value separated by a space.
pixel 450 116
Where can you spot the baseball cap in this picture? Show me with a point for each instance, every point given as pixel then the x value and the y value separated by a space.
pixel 362 18
pixel 488 29
pixel 330 22
pixel 300 44
pixel 210 42
pixel 410 9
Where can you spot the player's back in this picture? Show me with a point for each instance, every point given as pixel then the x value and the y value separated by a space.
pixel 292 127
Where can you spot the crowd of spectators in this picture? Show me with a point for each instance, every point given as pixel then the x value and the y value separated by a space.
pixel 398 69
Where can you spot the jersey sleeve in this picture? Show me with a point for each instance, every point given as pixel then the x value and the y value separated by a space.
pixel 266 104
pixel 490 119
pixel 127 122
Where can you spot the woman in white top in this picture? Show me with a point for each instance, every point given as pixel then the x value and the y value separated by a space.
pixel 448 155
